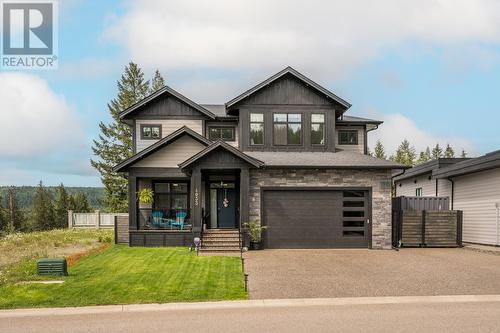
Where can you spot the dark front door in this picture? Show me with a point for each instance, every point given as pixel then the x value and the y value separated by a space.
pixel 226 208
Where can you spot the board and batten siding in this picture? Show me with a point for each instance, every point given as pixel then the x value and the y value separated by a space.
pixel 477 195
pixel 168 126
pixel 173 154
pixel 360 147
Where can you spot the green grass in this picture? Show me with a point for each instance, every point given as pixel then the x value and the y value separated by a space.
pixel 124 275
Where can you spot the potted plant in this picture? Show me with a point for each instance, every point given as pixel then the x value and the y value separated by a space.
pixel 255 233
pixel 145 197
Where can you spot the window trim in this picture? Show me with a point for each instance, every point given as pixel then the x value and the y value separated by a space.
pixel 348 143
pixel 263 122
pixel 233 128
pixel 287 123
pixel 149 125
pixel 324 130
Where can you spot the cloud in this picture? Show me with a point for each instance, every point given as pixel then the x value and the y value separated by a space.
pixel 87 68
pixel 324 38
pixel 35 120
pixel 397 127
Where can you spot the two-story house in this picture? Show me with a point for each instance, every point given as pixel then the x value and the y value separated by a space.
pixel 282 152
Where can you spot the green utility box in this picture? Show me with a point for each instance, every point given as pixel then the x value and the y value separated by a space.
pixel 55 266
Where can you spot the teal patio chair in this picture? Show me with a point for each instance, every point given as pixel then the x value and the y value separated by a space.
pixel 180 218
pixel 158 220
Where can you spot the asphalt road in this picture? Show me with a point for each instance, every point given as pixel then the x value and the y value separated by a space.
pixel 422 316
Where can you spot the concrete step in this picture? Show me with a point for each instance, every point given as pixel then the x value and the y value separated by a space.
pixel 220 248
pixel 220 241
pixel 221 231
pixel 219 253
pixel 220 238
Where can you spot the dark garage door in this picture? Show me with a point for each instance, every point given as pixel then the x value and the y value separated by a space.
pixel 315 219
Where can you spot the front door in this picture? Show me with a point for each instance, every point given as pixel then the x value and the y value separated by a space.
pixel 226 208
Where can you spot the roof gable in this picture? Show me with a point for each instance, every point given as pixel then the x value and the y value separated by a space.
pixel 123 166
pixel 221 145
pixel 320 93
pixel 165 102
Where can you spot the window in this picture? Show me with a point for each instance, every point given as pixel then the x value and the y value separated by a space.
pixel 150 132
pixel 287 128
pixel 221 133
pixel 348 137
pixel 418 192
pixel 171 197
pixel 256 129
pixel 318 129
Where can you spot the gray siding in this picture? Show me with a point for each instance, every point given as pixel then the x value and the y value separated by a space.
pixel 477 196
pixel 168 126
pixel 360 147
pixel 173 154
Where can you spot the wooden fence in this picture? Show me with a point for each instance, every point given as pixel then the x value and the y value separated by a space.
pixel 421 228
pixel 96 220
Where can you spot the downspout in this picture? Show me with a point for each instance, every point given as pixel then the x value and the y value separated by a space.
pixel 366 137
pixel 452 191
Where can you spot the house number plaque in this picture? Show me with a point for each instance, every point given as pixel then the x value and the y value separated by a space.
pixel 196 197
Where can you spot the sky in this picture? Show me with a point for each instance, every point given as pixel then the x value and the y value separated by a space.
pixel 429 69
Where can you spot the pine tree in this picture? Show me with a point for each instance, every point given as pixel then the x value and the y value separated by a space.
pixel 3 217
pixel 405 154
pixel 115 141
pixel 61 207
pixel 437 152
pixel 380 151
pixel 15 218
pixel 157 82
pixel 79 203
pixel 463 154
pixel 449 152
pixel 43 209
pixel 424 156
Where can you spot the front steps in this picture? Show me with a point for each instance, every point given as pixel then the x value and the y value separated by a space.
pixel 220 242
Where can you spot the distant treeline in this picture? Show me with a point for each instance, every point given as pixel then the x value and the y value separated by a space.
pixel 26 194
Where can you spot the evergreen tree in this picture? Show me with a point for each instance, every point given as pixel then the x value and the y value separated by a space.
pixel 43 209
pixel 115 141
pixel 157 82
pixel 15 219
pixel 3 217
pixel 463 154
pixel 437 152
pixel 79 203
pixel 61 207
pixel 425 156
pixel 380 151
pixel 405 154
pixel 449 152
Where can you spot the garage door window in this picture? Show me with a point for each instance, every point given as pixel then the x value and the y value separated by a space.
pixel 353 214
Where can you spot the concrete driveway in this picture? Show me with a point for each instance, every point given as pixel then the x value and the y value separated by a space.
pixel 360 273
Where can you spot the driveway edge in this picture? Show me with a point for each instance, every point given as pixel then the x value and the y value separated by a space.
pixel 131 308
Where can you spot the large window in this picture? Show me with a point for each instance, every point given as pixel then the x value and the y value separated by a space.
pixel 150 132
pixel 256 129
pixel 348 137
pixel 221 133
pixel 287 128
pixel 171 197
pixel 318 129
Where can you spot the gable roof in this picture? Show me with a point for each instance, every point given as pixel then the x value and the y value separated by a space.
pixel 482 163
pixel 238 153
pixel 429 167
pixel 303 78
pixel 160 144
pixel 165 90
pixel 337 160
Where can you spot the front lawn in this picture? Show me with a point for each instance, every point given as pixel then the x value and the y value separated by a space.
pixel 125 275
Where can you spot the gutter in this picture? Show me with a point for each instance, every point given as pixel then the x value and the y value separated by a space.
pixel 392 181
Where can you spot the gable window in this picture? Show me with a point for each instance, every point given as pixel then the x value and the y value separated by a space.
pixel 256 129
pixel 418 192
pixel 221 133
pixel 318 129
pixel 287 128
pixel 348 137
pixel 150 132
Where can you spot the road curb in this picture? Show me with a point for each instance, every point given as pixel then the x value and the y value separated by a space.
pixel 131 308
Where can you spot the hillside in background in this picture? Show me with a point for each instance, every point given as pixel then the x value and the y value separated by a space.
pixel 25 194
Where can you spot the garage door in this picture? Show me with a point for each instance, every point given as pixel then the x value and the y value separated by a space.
pixel 315 219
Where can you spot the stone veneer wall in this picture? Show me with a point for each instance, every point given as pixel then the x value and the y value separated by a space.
pixel 378 180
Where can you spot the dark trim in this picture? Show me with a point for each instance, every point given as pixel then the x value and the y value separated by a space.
pixel 253 161
pixel 134 138
pixel 160 144
pixel 288 70
pixel 365 148
pixel 250 122
pixel 437 187
pixel 325 129
pixel 356 132
pixel 146 172
pixel 323 188
pixel 142 126
pixel 221 127
pixel 166 89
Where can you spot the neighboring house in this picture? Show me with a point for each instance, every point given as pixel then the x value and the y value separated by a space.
pixel 473 186
pixel 282 152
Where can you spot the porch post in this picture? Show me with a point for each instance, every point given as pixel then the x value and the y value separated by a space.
pixel 132 202
pixel 196 201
